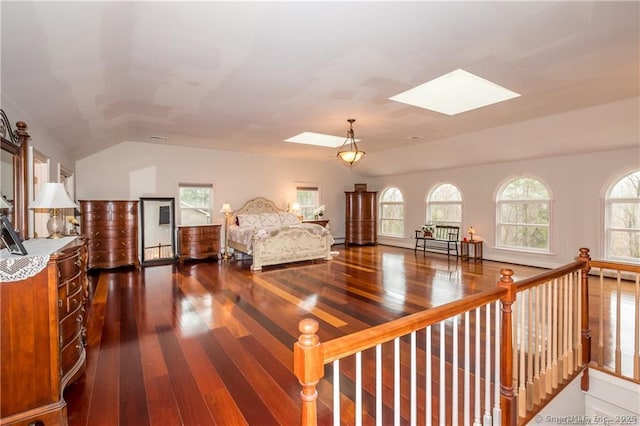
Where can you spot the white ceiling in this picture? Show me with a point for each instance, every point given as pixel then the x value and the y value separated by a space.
pixel 245 76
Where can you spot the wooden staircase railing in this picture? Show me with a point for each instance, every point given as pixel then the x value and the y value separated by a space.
pixel 607 290
pixel 521 343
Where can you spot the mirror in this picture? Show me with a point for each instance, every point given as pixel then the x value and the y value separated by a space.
pixel 6 191
pixel 158 230
pixel 13 174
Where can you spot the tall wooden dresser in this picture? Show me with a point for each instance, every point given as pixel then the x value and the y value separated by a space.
pixel 111 228
pixel 198 242
pixel 361 227
pixel 42 309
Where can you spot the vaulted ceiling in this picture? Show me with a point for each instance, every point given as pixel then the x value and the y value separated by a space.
pixel 245 76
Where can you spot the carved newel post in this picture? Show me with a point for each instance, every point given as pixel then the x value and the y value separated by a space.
pixel 507 395
pixel 308 366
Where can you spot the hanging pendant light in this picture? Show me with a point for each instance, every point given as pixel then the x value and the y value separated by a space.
pixel 349 152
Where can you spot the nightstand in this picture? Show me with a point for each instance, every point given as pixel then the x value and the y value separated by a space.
pixel 324 223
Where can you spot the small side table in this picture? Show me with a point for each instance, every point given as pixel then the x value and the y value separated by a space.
pixel 471 250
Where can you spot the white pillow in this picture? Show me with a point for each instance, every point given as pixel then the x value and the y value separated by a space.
pixel 270 219
pixel 249 220
pixel 289 219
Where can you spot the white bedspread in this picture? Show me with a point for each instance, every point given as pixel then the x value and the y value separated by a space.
pixel 244 234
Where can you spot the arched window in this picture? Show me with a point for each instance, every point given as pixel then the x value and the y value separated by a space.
pixel 523 215
pixel 444 205
pixel 392 213
pixel 622 219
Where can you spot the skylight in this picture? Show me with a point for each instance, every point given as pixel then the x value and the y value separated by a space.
pixel 318 139
pixel 454 93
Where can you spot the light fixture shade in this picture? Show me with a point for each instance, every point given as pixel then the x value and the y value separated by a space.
pixel 349 152
pixel 226 208
pixel 53 196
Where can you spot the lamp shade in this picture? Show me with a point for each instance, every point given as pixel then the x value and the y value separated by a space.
pixel 53 196
pixel 226 208
pixel 4 204
pixel 349 152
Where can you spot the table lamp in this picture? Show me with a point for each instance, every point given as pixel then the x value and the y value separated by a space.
pixel 226 209
pixel 471 231
pixel 54 197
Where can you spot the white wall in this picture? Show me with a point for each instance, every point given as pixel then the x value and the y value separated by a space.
pixel 41 141
pixel 577 185
pixel 131 169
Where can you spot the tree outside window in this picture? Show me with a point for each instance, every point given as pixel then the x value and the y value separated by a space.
pixel 195 203
pixel 308 198
pixel 444 205
pixel 392 213
pixel 622 219
pixel 523 215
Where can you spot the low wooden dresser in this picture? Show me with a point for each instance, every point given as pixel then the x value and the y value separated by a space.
pixel 111 228
pixel 198 242
pixel 42 309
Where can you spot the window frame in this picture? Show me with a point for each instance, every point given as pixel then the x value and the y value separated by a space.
pixel 306 211
pixel 429 203
pixel 382 219
pixel 607 228
pixel 499 202
pixel 210 209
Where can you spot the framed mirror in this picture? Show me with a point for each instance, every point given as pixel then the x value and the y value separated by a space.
pixel 157 222
pixel 13 179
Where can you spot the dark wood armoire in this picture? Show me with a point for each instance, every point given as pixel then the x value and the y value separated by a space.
pixel 361 225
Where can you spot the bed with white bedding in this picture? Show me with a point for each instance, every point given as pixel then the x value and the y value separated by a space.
pixel 273 236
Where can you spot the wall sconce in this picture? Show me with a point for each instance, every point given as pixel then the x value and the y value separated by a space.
pixel 226 209
pixel 53 196
pixel 349 152
pixel 471 232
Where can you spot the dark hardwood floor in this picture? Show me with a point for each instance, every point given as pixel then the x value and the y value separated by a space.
pixel 211 343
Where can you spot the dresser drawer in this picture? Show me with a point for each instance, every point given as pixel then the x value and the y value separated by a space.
pixel 199 232
pixel 98 206
pixel 70 326
pixel 69 266
pixel 74 300
pixel 70 295
pixel 199 248
pixel 128 226
pixel 121 243
pixel 116 256
pixel 109 217
pixel 71 353
pixel 189 238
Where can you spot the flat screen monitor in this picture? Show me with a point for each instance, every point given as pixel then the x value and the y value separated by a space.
pixel 10 237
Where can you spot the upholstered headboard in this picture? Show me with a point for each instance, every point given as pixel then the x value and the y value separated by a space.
pixel 258 205
pixel 262 212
